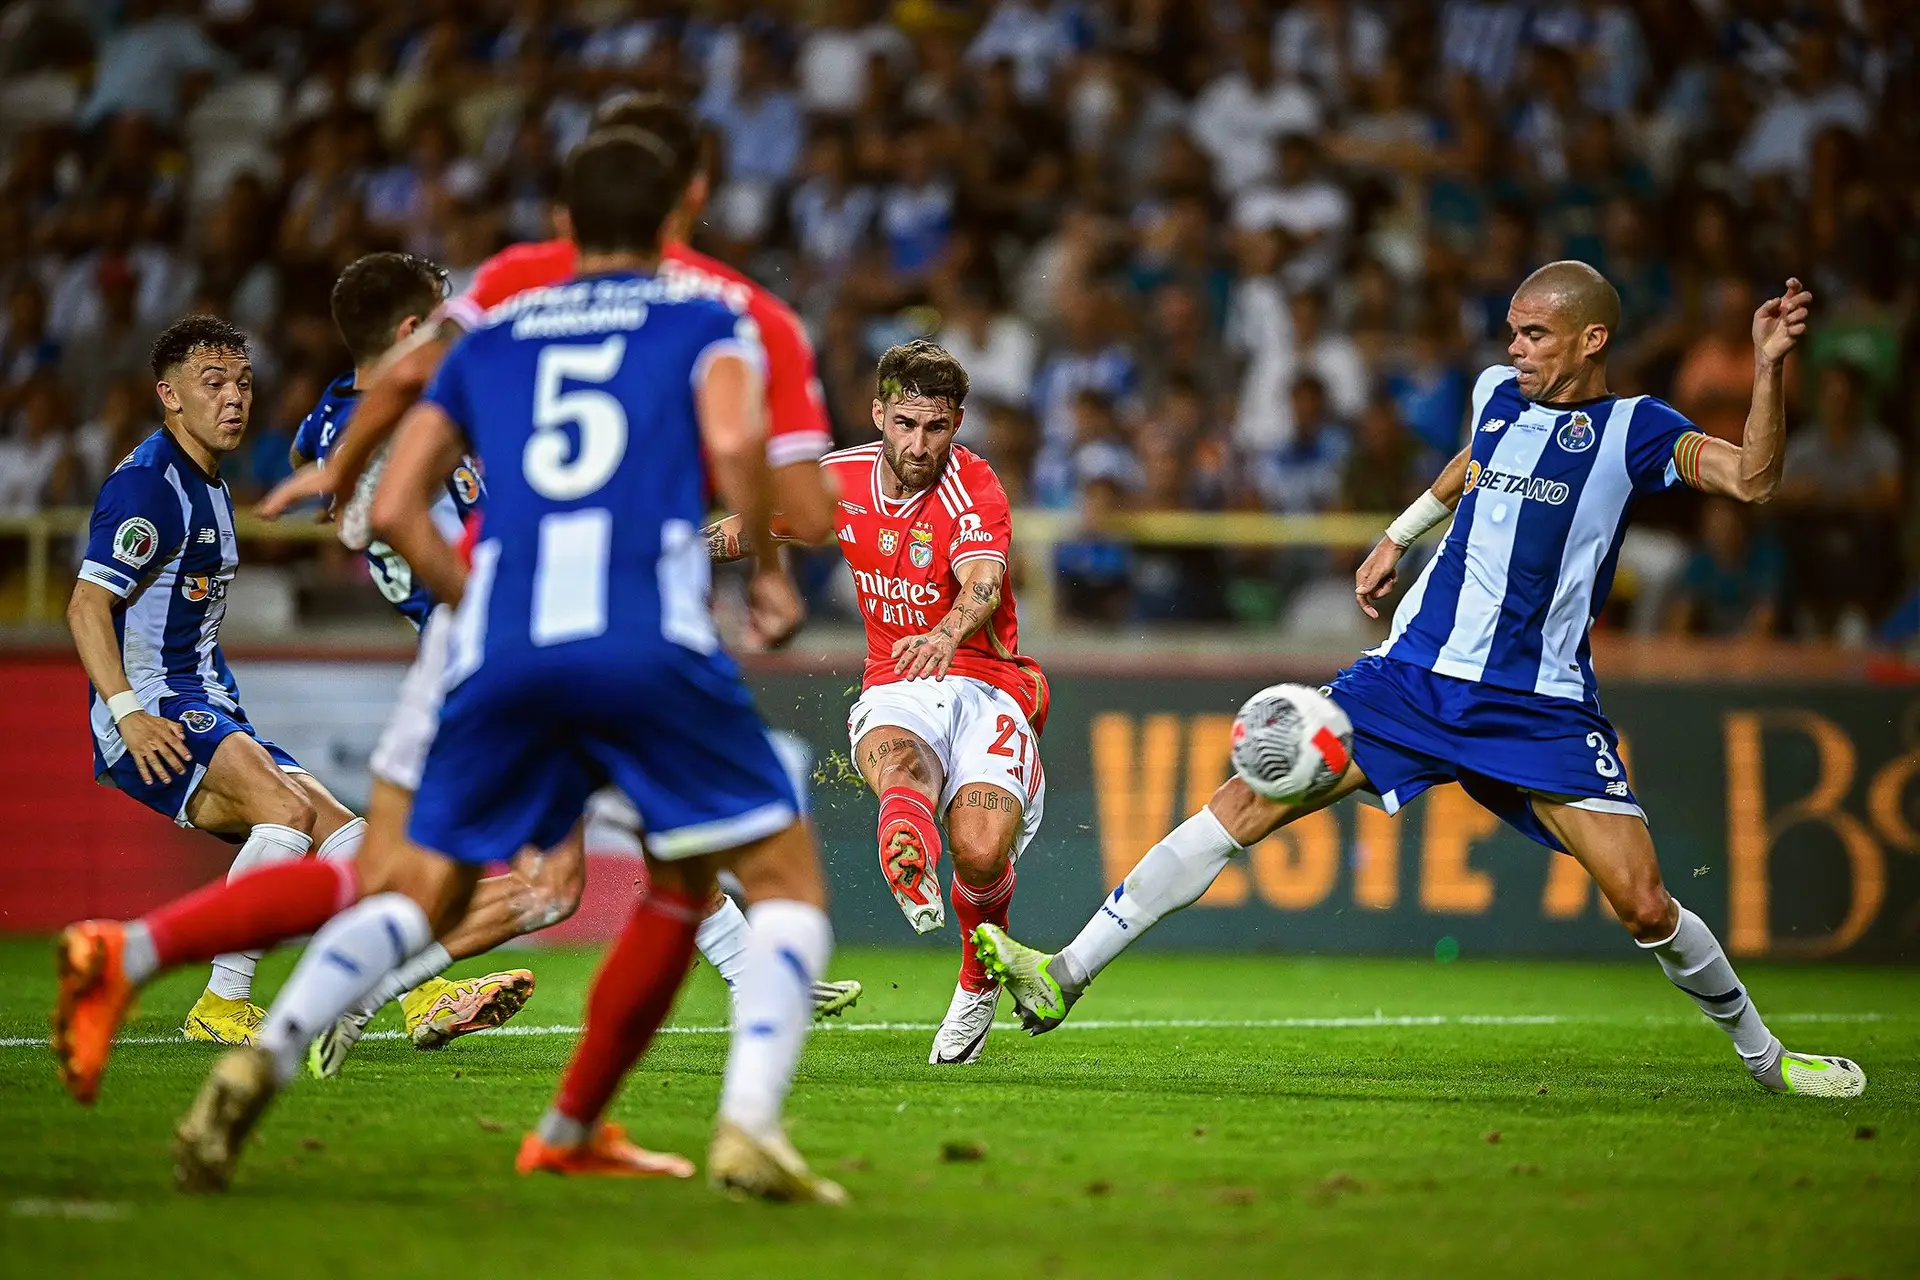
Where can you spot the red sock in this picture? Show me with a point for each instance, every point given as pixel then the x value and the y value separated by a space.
pixel 631 997
pixel 974 907
pixel 918 878
pixel 252 913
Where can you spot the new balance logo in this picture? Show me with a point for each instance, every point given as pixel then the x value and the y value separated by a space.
pixel 1494 424
pixel 207 535
pixel 1618 788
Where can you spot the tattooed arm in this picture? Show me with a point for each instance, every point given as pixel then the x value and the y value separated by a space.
pixel 723 540
pixel 931 654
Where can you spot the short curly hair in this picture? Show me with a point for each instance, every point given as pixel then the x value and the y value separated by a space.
pixel 921 368
pixel 194 333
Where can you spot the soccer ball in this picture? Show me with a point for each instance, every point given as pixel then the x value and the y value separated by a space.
pixel 1291 743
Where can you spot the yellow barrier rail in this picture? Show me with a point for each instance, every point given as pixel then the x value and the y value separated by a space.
pixel 1037 534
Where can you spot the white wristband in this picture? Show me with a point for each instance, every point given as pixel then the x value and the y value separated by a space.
pixel 1426 512
pixel 122 705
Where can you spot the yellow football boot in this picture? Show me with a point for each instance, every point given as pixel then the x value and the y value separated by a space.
pixel 218 1020
pixel 439 1011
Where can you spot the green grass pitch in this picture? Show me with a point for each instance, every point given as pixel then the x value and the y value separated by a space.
pixel 1216 1116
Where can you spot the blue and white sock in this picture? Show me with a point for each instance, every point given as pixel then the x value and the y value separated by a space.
pixel 723 938
pixel 351 953
pixel 773 1010
pixel 1695 963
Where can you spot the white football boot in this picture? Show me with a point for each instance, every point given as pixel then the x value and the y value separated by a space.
pixel 963 1032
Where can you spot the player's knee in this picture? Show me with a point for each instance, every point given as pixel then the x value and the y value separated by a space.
pixel 979 862
pixel 1648 912
pixel 287 805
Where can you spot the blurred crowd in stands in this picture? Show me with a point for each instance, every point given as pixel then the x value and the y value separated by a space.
pixel 1197 254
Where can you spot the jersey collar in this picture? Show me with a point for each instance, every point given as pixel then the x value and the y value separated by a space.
pixel 212 478
pixel 900 508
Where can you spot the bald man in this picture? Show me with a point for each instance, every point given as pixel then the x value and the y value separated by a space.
pixel 1486 679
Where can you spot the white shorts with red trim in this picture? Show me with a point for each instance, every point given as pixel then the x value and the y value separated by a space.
pixel 977 732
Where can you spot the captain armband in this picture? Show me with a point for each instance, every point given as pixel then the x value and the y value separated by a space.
pixel 1686 457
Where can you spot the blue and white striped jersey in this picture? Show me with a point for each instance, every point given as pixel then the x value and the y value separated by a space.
pixel 320 430
pixel 579 400
pixel 1509 598
pixel 162 540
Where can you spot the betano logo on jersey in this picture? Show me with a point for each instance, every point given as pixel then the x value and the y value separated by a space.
pixel 198 586
pixel 1532 488
pixel 466 485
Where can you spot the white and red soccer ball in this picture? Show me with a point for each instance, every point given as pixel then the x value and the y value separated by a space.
pixel 1291 743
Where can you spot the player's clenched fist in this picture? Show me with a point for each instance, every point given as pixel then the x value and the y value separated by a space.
pixel 158 747
pixel 774 608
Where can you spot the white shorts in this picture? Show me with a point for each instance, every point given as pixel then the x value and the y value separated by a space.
pixel 978 733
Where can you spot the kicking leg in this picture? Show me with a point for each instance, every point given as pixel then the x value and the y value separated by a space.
pixel 983 826
pixel 1173 875
pixel 905 773
pixel 1617 851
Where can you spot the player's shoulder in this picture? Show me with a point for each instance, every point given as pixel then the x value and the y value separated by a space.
pixel 141 480
pixel 1491 379
pixel 971 470
pixel 1652 414
pixel 147 464
pixel 858 456
pixel 512 271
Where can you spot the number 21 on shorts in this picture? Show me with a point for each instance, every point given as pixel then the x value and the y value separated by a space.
pixel 1011 733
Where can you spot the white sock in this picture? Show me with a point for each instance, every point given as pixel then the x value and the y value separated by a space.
pixel 267 843
pixel 1695 963
pixel 349 954
pixel 431 961
pixel 1174 873
pixel 723 939
pixel 345 840
pixel 787 952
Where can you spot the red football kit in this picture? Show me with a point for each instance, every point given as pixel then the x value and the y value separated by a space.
pixel 905 555
pixel 797 428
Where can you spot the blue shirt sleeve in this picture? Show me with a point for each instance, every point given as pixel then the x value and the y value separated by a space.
pixel 306 437
pixel 137 528
pixel 451 387
pixel 1656 428
pixel 718 332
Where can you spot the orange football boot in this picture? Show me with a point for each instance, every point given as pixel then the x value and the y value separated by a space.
pixel 607 1154
pixel 95 996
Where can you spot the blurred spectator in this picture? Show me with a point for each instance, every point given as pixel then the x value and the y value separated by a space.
pixel 1330 43
pixel 1038 35
pixel 1095 568
pixel 1307 474
pixel 761 134
pixel 27 350
pixel 997 348
pixel 1328 354
pixel 1841 497
pixel 1814 98
pixel 116 345
pixel 1304 202
pixel 832 215
pixel 1714 385
pixel 1089 358
pixel 143 63
pixel 412 201
pixel 1430 389
pixel 1388 467
pixel 1242 114
pixel 36 467
pixel 835 56
pixel 129 413
pixel 1733 583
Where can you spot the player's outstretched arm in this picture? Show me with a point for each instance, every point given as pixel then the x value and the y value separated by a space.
pixel 403 375
pixel 425 453
pixel 1380 570
pixel 158 745
pixel 733 431
pixel 931 654
pixel 1751 471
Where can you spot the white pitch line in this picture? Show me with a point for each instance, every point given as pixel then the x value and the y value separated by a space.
pixel 1360 1022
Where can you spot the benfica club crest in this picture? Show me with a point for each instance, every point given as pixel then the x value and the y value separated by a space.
pixel 921 549
pixel 889 541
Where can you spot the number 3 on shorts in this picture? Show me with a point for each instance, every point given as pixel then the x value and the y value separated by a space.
pixel 1606 766
pixel 1010 731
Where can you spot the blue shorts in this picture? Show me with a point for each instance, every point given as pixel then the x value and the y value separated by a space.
pixel 522 745
pixel 1413 729
pixel 207 727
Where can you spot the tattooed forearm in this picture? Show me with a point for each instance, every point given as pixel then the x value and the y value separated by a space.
pixel 971 611
pixel 723 541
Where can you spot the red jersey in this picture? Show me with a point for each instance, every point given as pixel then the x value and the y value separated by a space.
pixel 797 428
pixel 906 553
